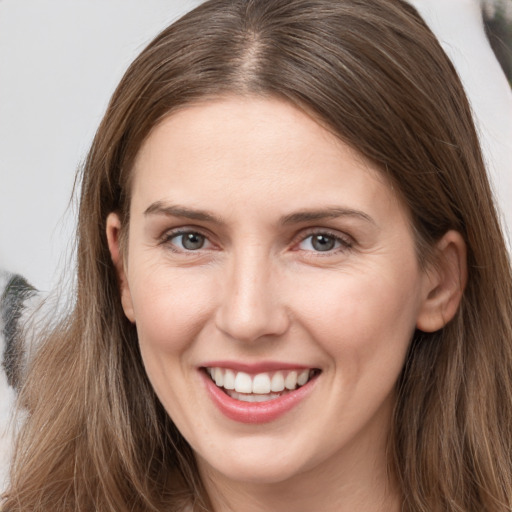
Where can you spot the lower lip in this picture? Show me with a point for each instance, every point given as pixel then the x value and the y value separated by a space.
pixel 256 412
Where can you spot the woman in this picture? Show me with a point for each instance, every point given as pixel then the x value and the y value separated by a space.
pixel 293 292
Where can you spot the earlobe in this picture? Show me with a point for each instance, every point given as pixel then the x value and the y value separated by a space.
pixel 444 283
pixel 113 231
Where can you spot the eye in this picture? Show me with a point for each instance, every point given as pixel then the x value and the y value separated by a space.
pixel 187 240
pixel 323 242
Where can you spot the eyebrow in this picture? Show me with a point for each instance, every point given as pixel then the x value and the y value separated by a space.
pixel 326 213
pixel 170 210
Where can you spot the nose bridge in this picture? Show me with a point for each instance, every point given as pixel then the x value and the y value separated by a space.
pixel 251 306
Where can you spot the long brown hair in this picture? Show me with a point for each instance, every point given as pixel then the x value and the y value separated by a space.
pixel 96 437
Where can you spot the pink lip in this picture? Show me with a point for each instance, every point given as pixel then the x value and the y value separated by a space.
pixel 256 412
pixel 254 368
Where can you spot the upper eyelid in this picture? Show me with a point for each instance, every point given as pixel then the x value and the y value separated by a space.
pixel 172 232
pixel 344 237
pixel 169 234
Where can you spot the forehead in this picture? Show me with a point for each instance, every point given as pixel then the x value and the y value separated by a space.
pixel 257 151
pixel 219 123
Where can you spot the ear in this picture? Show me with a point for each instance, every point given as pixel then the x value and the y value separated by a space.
pixel 113 237
pixel 445 281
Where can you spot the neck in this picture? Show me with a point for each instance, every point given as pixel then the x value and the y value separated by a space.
pixel 304 497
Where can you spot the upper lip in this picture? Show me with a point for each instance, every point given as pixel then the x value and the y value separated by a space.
pixel 256 367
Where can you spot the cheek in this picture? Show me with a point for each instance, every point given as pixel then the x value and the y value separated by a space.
pixel 169 314
pixel 364 318
pixel 170 308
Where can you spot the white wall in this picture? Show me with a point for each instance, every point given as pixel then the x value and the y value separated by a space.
pixel 60 61
pixel 458 25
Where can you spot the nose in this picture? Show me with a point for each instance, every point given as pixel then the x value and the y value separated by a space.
pixel 251 306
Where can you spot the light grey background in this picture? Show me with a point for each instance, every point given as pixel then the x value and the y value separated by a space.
pixel 60 60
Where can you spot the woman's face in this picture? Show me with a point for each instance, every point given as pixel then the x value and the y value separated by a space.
pixel 266 253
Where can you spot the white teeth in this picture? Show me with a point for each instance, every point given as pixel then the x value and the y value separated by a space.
pixel 253 398
pixel 277 383
pixel 229 379
pixel 247 397
pixel 303 377
pixel 261 384
pixel 243 383
pixel 291 380
pixel 218 376
pixel 261 398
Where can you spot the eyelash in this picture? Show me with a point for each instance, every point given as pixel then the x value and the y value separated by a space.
pixel 342 243
pixel 170 235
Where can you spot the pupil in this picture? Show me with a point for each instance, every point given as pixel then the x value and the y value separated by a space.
pixel 323 242
pixel 193 241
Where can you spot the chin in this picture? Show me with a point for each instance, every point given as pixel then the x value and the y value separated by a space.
pixel 257 464
pixel 257 473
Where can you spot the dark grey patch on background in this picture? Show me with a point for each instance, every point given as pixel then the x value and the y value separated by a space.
pixel 498 27
pixel 12 301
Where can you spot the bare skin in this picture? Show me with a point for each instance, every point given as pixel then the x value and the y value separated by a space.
pixel 258 239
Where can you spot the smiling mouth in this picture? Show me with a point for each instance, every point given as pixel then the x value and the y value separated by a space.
pixel 261 387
